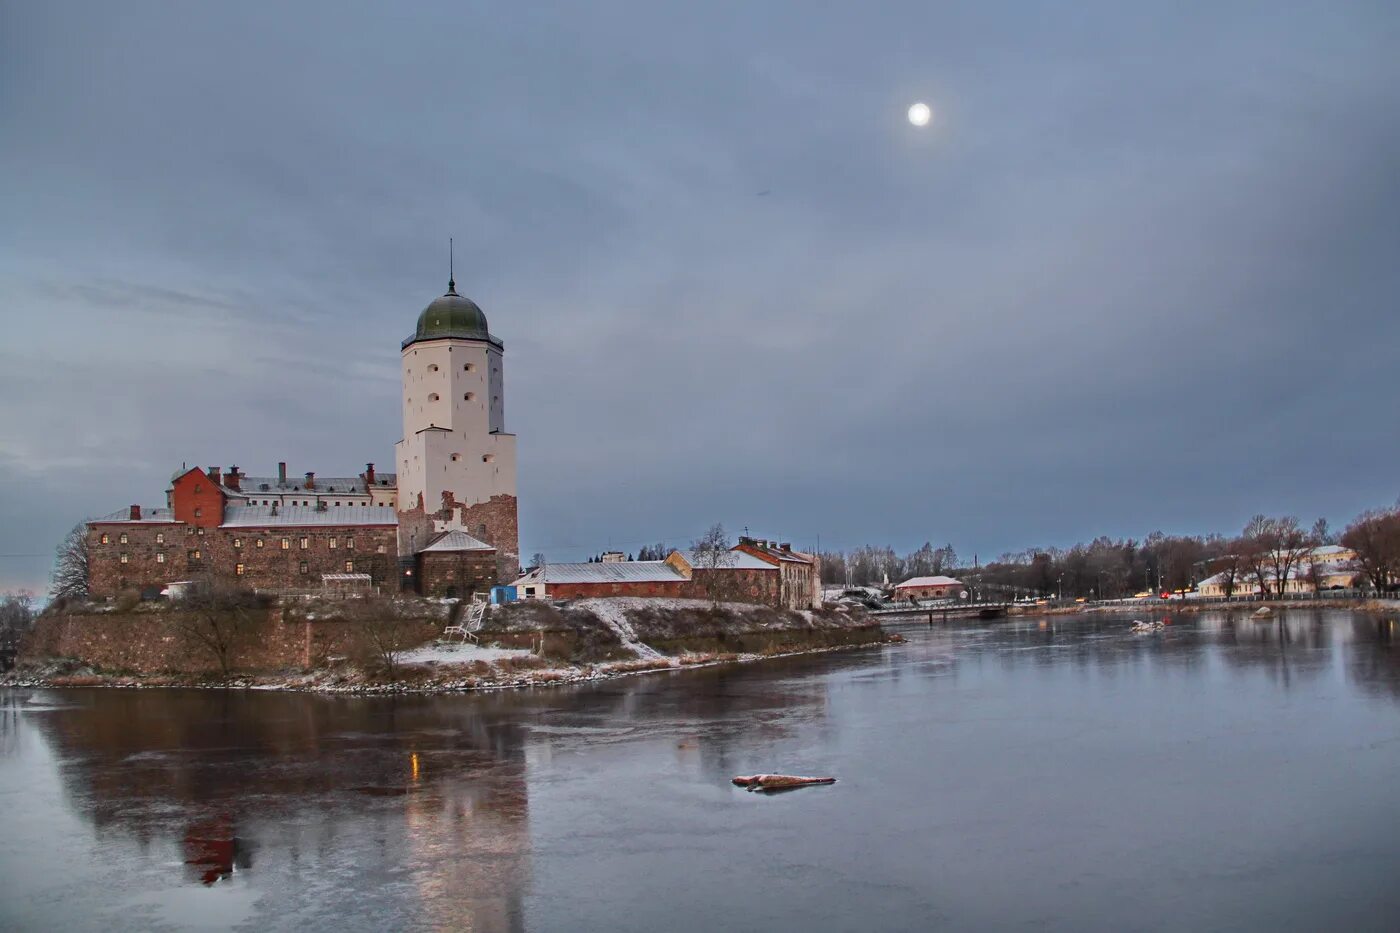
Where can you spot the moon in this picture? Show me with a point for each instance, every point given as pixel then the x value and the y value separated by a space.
pixel 920 114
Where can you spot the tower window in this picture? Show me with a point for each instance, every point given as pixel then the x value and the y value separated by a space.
pixel 488 458
pixel 468 367
pixel 469 396
pixel 433 396
pixel 456 457
pixel 432 368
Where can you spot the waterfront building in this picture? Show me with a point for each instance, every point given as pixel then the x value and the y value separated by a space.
pixel 737 576
pixel 444 524
pixel 938 587
pixel 1328 567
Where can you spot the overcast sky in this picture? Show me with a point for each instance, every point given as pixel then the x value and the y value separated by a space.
pixel 1139 272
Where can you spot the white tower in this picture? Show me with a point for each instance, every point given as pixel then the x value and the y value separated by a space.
pixel 456 463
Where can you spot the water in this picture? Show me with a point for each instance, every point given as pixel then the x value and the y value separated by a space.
pixel 1064 775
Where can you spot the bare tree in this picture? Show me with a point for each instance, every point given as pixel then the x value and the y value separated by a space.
pixel 382 632
pixel 219 620
pixel 16 618
pixel 1290 545
pixel 72 567
pixel 713 557
pixel 1256 543
pixel 1375 537
pixel 1322 532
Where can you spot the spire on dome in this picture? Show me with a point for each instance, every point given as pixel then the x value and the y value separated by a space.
pixel 451 278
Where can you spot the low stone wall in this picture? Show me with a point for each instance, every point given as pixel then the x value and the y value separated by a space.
pixel 159 640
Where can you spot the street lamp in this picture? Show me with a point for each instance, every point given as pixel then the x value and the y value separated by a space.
pixel 1061 582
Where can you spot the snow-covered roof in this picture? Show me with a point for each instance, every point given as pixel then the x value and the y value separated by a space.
pixel 250 485
pixel 632 571
pixel 458 541
pixel 929 581
pixel 738 560
pixel 1330 550
pixel 257 516
pixel 148 516
pixel 346 578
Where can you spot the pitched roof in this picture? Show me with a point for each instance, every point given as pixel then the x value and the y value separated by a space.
pixel 257 516
pixel 930 581
pixel 251 485
pixel 742 560
pixel 632 571
pixel 457 541
pixel 148 516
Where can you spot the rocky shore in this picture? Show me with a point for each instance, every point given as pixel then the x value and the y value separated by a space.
pixel 520 645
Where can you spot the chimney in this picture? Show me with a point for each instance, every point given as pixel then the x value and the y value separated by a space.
pixel 786 546
pixel 310 480
pixel 745 539
pixel 282 474
pixel 233 479
pixel 369 475
pixel 136 513
pixel 214 474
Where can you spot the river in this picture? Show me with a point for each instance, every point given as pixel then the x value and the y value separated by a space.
pixel 1060 774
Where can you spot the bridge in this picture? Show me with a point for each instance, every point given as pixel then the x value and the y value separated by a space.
pixel 942 613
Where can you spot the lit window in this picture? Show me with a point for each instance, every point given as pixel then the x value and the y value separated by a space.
pixel 258 543
pixel 160 557
pixel 303 568
pixel 349 566
pixel 332 544
pixel 193 555
pixel 286 544
pixel 237 542
pixel 123 558
pixel 160 537
pixel 199 531
pixel 198 513
pixel 122 539
pixel 106 539
pixel 349 544
pixel 379 549
pixel 238 569
pixel 305 543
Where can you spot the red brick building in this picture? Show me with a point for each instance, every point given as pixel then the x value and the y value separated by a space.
pixel 210 531
pixel 917 588
pixel 737 577
pixel 800 580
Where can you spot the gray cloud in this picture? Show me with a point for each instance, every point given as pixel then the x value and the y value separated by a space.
pixel 1138 274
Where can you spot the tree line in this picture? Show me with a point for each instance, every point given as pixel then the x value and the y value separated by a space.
pixel 1266 553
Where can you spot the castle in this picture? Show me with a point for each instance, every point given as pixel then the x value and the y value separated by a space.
pixel 444 524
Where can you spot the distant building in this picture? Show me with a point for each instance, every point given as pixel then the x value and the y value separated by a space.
pixel 799 574
pixel 742 577
pixel 613 557
pixel 939 587
pixel 1335 570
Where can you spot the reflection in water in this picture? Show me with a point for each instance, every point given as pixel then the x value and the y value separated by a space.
pixel 1114 776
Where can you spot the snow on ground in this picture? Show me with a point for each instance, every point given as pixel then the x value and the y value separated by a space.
pixel 457 654
pixel 613 614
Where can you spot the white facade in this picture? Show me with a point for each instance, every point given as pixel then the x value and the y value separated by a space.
pixel 454 437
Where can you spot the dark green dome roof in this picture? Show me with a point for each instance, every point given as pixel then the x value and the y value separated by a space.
pixel 451 316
